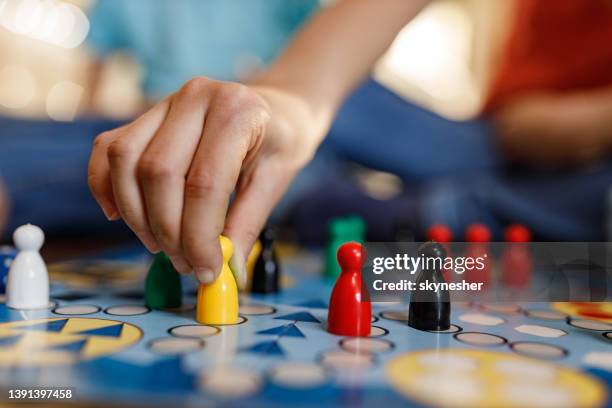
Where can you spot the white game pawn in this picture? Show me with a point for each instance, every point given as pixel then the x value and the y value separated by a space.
pixel 28 280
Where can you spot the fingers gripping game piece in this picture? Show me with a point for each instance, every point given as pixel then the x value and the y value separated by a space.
pixel 430 310
pixel 218 302
pixel 28 280
pixel 163 288
pixel 350 310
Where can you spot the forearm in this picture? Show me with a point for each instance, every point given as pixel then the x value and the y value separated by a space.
pixel 335 51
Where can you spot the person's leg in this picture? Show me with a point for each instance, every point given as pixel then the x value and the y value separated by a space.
pixel 43 166
pixel 380 130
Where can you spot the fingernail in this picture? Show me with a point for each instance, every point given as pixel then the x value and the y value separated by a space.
pixel 180 264
pixel 205 275
pixel 151 246
pixel 111 215
pixel 149 241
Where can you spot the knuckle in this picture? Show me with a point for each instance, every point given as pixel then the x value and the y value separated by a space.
pixel 152 168
pixel 239 101
pixel 194 87
pixel 203 184
pixel 103 138
pixel 121 149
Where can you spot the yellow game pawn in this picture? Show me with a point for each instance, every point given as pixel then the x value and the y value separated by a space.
pixel 251 260
pixel 218 301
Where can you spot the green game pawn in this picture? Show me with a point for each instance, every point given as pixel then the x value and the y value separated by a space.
pixel 163 289
pixel 341 230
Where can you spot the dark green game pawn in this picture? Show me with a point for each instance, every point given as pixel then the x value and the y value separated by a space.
pixel 266 273
pixel 163 289
pixel 340 231
pixel 430 310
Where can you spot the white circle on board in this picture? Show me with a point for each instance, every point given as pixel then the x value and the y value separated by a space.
pixel 175 345
pixel 256 310
pixel 600 359
pixel 397 315
pixel 590 324
pixel 366 345
pixel 227 382
pixel 481 319
pixel 344 360
pixel 538 350
pixel 376 331
pixel 127 310
pixel 76 310
pixel 480 339
pixel 540 331
pixel 298 375
pixel 194 330
pixel 504 308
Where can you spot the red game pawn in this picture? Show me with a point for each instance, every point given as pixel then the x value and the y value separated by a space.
pixel 441 234
pixel 516 259
pixel 350 310
pixel 478 237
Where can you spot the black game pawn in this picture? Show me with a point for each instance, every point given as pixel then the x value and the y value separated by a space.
pixel 266 273
pixel 403 230
pixel 430 310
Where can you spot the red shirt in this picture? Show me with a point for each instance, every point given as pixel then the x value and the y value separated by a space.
pixel 556 45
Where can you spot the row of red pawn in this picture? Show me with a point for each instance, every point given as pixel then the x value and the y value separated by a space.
pixel 516 263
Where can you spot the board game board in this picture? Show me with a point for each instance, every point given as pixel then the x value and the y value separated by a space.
pixel 99 340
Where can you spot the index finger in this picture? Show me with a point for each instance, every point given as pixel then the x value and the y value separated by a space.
pixel 210 182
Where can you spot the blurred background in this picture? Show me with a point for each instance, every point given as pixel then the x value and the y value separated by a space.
pixel 46 64
pixel 505 131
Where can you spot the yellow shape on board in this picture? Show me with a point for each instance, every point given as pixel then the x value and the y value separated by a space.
pixel 218 301
pixel 35 345
pixel 482 378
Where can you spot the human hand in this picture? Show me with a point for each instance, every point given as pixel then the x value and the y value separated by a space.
pixel 170 173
